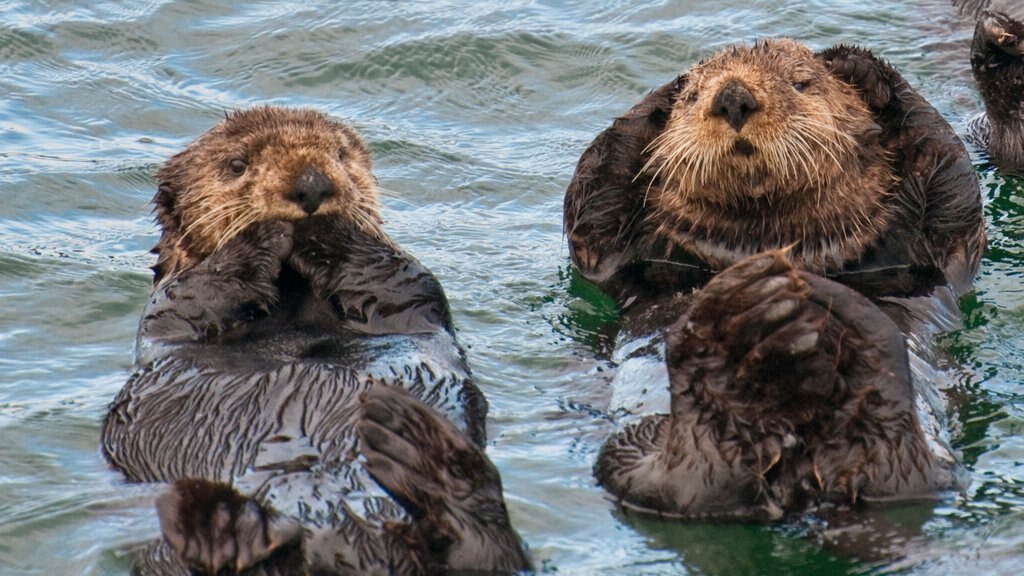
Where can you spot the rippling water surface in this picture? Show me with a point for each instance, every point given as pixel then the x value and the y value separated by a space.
pixel 476 112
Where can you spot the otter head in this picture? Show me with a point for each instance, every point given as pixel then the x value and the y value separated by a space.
pixel 997 59
pixel 761 144
pixel 260 164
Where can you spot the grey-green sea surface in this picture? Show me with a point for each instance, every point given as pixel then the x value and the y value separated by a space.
pixel 476 112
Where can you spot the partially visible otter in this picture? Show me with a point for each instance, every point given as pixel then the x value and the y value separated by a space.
pixel 297 377
pixel 835 158
pixel 997 59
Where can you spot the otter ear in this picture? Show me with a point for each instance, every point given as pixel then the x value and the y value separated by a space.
pixel 871 77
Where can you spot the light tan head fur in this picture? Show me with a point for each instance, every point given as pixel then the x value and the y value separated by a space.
pixel 247 169
pixel 763 148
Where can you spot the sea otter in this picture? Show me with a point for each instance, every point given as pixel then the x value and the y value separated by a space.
pixel 297 378
pixel 789 384
pixel 997 59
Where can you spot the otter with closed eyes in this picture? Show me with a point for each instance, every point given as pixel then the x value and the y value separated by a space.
pixel 781 223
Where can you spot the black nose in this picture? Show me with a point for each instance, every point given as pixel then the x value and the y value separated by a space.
pixel 735 103
pixel 311 189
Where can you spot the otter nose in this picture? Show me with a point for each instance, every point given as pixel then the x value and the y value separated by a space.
pixel 734 103
pixel 311 189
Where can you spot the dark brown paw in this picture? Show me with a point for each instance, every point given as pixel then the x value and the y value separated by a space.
pixel 753 311
pixel 269 237
pixel 417 454
pixel 863 71
pixel 212 527
pixel 443 479
pixel 763 336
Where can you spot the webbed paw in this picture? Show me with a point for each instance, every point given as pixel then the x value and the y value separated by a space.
pixel 863 71
pixel 213 527
pixel 443 479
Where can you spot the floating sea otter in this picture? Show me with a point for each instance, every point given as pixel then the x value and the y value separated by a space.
pixel 788 387
pixel 291 363
pixel 997 59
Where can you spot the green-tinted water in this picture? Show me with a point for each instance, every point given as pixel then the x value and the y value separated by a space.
pixel 476 112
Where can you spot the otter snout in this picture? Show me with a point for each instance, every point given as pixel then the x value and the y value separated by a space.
pixel 311 189
pixel 734 103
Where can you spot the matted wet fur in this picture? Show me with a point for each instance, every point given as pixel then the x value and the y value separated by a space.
pixel 812 158
pixel 297 378
pixel 997 60
pixel 833 158
pixel 788 389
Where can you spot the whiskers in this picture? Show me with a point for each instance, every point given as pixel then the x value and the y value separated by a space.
pixel 387 192
pixel 804 155
pixel 231 216
pixel 681 158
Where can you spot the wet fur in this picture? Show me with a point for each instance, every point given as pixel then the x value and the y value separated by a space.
pixel 788 388
pixel 620 236
pixel 273 336
pixel 201 205
pixel 997 60
pixel 816 165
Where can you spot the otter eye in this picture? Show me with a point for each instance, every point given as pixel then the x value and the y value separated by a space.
pixel 692 97
pixel 342 154
pixel 800 86
pixel 237 166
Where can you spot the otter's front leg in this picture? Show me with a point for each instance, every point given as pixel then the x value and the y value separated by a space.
pixel 940 193
pixel 229 287
pixel 605 202
pixel 375 287
pixel 787 389
pixel 443 480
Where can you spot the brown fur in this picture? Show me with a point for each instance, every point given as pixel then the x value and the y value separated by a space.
pixel 278 302
pixel 201 203
pixel 836 156
pixel 789 376
pixel 808 161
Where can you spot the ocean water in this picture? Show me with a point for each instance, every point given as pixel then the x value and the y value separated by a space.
pixel 476 112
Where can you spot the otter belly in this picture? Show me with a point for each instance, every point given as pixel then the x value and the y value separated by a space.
pixel 240 401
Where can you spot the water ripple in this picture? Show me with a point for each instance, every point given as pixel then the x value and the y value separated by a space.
pixel 476 113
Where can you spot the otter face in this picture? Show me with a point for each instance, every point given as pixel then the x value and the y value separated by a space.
pixel 261 164
pixel 767 120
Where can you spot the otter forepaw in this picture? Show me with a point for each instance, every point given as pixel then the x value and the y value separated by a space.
pixel 1001 32
pixel 269 237
pixel 211 526
pixel 443 479
pixel 863 71
pixel 415 453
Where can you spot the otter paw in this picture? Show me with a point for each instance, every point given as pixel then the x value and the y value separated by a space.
pixel 756 307
pixel 416 454
pixel 270 237
pixel 864 72
pixel 443 479
pixel 211 526
pixel 755 326
pixel 1001 32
